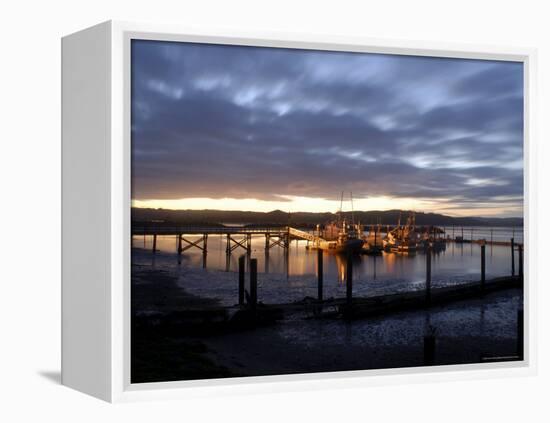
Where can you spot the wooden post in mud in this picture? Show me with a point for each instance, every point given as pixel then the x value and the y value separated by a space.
pixel 253 283
pixel 155 242
pixel 513 261
pixel 429 273
pixel 519 338
pixel 320 274
pixel 520 260
pixel 349 281
pixel 241 280
pixel 429 350
pixel 483 268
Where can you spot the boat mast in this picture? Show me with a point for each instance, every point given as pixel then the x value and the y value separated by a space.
pixel 352 217
pixel 340 219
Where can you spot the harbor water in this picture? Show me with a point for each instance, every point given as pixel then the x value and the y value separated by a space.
pixel 292 276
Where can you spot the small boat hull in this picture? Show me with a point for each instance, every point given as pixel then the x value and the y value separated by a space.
pixel 372 250
pixel 403 248
pixel 349 246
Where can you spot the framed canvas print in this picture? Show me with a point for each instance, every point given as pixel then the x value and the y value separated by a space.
pixel 256 212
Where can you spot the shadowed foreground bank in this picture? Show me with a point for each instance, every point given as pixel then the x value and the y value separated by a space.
pixel 467 331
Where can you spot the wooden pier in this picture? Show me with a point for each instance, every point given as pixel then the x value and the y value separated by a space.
pixel 240 237
pixel 237 237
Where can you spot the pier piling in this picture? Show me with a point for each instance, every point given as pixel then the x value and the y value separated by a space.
pixel 155 242
pixel 483 268
pixel 349 281
pixel 241 280
pixel 513 261
pixel 253 283
pixel 320 275
pixel 429 274
pixel 179 245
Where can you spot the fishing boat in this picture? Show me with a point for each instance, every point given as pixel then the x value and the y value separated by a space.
pixel 403 238
pixel 432 236
pixel 342 236
pixel 373 243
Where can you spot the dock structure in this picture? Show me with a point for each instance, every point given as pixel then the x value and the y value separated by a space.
pixel 316 241
pixel 237 237
pixel 488 236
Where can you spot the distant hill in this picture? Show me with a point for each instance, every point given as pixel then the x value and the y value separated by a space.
pixel 303 219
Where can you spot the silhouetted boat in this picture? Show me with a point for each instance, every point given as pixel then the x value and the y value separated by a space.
pixel 432 236
pixel 373 243
pixel 341 236
pixel 403 238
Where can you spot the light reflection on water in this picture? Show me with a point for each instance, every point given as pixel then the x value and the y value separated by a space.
pixel 292 276
pixel 456 260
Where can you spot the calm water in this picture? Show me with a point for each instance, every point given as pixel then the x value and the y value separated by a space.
pixel 478 232
pixel 292 277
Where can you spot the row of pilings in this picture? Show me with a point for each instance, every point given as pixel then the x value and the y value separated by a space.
pixel 249 299
pixel 349 273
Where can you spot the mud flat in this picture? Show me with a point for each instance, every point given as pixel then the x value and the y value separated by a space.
pixel 179 336
pixel 466 332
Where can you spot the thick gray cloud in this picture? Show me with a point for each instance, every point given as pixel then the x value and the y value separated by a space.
pixel 245 122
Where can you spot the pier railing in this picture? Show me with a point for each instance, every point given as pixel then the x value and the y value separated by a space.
pixel 192 230
pixel 296 233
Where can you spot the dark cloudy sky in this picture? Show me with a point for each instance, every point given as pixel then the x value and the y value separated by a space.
pixel 252 128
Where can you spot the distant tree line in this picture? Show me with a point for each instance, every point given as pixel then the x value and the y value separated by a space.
pixel 306 220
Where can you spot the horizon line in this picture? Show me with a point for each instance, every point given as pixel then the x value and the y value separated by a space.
pixel 331 212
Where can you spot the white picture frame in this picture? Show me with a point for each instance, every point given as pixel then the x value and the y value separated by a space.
pixel 96 208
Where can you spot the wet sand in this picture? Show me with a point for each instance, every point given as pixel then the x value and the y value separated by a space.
pixel 466 332
pixel 391 341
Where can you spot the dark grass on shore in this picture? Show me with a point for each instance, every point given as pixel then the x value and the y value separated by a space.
pixel 161 358
pixel 158 356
